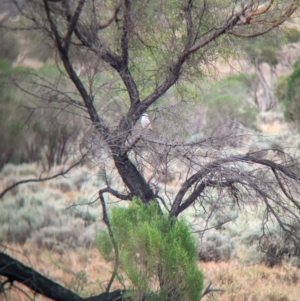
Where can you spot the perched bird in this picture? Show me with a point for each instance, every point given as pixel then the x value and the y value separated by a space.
pixel 145 121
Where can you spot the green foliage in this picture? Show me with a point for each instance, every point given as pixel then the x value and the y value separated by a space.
pixel 10 114
pixel 32 135
pixel 104 245
pixel 292 35
pixel 9 49
pixel 228 98
pixel 287 90
pixel 262 49
pixel 280 88
pixel 157 254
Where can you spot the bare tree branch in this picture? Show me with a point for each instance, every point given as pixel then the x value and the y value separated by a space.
pixel 111 19
pixel 113 241
pixel 14 270
pixel 72 24
pixel 189 24
pixel 98 123
pixel 62 173
pixel 210 167
pixel 124 197
pixel 126 31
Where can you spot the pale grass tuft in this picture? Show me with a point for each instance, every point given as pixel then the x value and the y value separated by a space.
pixel 250 283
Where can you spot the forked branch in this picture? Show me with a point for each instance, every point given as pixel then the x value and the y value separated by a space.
pixel 202 176
pixel 209 290
pixel 14 270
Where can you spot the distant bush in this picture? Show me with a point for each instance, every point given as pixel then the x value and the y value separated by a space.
pixel 10 47
pixel 271 246
pixel 263 49
pixel 61 237
pixel 81 209
pixel 28 132
pixel 287 90
pixel 38 47
pixel 215 247
pixel 46 225
pixel 228 99
pixel 292 35
pixel 20 217
pixel 154 250
pixel 62 184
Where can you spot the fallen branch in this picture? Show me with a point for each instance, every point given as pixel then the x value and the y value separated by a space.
pixel 14 270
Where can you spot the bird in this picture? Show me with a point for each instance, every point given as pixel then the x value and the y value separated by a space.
pixel 145 121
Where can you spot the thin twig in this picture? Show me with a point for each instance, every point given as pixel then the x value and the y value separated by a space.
pixel 62 173
pixel 210 290
pixel 114 243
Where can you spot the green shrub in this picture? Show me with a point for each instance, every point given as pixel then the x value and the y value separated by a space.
pixel 287 90
pixel 292 35
pixel 263 49
pixel 154 251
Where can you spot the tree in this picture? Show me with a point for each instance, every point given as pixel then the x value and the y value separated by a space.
pixel 138 57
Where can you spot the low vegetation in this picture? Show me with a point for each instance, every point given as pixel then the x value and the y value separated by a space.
pixel 156 255
pixel 88 103
pixel 54 233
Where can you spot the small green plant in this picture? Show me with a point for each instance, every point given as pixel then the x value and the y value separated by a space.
pixel 157 254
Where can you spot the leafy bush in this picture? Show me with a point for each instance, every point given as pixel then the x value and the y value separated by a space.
pixel 287 90
pixel 262 49
pixel 154 251
pixel 292 35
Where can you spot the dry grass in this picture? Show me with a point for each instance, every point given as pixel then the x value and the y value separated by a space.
pixel 83 270
pixel 86 273
pixel 252 283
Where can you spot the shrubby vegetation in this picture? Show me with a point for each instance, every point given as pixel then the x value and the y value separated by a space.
pixel 287 90
pixel 136 68
pixel 30 133
pixel 43 215
pixel 9 46
pixel 157 254
pixel 292 35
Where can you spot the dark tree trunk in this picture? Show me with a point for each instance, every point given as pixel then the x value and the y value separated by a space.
pixel 133 179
